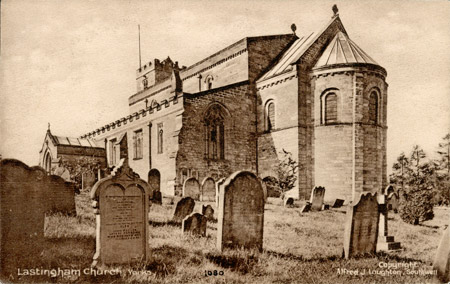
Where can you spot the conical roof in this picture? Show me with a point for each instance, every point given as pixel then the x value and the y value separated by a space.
pixel 342 50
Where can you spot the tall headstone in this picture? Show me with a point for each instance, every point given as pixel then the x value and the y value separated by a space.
pixel 317 196
pixel 121 206
pixel 361 226
pixel 208 189
pixel 218 184
pixel 385 242
pixel 22 212
pixel 184 207
pixel 59 195
pixel 241 212
pixel 442 259
pixel 194 224
pixel 191 188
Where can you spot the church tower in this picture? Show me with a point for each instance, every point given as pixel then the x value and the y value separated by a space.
pixel 350 98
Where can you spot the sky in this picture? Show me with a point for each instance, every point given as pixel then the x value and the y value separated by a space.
pixel 73 63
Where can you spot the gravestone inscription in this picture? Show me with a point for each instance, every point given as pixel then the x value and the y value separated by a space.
pixel 241 212
pixel 121 208
pixel 361 226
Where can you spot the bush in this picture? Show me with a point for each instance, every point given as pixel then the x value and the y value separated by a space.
pixel 415 205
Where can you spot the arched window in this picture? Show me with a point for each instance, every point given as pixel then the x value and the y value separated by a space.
pixel 215 132
pixel 330 108
pixel 208 82
pixel 269 116
pixel 47 162
pixel 373 108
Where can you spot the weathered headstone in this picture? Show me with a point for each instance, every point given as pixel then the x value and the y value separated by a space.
pixel 121 208
pixel 306 208
pixel 157 197
pixel 384 242
pixel 361 227
pixel 317 195
pixel 154 181
pixel 60 195
pixel 191 188
pixel 22 212
pixel 194 224
pixel 184 207
pixel 241 212
pixel 208 189
pixel 208 212
pixel 442 259
pixel 393 202
pixel 288 202
pixel 218 183
pixel 338 203
pixel 87 179
pixel 325 206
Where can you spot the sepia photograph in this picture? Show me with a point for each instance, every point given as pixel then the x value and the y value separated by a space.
pixel 227 141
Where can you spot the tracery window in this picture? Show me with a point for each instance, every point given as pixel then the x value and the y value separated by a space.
pixel 215 132
pixel 138 144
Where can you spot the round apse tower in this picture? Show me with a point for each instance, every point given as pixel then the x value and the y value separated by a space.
pixel 350 98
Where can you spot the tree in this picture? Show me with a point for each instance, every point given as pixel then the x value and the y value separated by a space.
pixel 443 172
pixel 400 171
pixel 286 171
pixel 419 181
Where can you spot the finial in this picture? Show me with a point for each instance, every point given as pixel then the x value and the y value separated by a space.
pixel 48 126
pixel 293 28
pixel 335 10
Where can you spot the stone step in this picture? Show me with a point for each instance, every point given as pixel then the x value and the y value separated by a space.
pixel 386 239
pixel 388 246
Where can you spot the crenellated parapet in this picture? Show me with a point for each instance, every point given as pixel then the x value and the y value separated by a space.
pixel 153 107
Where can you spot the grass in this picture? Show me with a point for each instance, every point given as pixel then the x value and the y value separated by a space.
pixel 298 248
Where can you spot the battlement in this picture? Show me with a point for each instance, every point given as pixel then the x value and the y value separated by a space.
pixel 152 108
pixel 155 72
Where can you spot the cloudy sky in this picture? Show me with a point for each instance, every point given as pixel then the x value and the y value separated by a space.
pixel 73 63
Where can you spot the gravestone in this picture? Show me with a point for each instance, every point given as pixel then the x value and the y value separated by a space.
pixel 317 195
pixel 208 189
pixel 191 188
pixel 288 202
pixel 442 259
pixel 385 242
pixel 326 207
pixel 121 208
pixel 208 212
pixel 361 226
pixel 338 203
pixel 194 224
pixel 88 179
pixel 60 195
pixel 154 181
pixel 157 197
pixel 218 183
pixel 241 212
pixel 393 202
pixel 22 211
pixel 184 207
pixel 306 208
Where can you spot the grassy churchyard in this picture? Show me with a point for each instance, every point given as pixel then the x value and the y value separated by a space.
pixel 298 248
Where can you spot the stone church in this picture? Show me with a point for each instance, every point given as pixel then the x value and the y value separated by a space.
pixel 317 96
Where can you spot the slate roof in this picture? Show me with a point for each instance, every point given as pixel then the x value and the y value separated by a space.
pixel 80 142
pixel 342 50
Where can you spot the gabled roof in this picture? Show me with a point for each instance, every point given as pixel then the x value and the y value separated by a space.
pixel 342 50
pixel 295 51
pixel 71 141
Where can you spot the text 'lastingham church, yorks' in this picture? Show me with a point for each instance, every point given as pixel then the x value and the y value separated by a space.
pixel 318 96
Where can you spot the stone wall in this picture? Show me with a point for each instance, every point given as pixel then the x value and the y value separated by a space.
pixel 240 136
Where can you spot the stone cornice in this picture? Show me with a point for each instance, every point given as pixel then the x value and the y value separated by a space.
pixel 276 82
pixel 349 68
